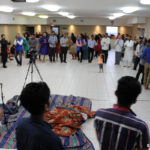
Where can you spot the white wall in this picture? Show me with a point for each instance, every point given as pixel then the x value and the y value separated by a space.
pixel 21 20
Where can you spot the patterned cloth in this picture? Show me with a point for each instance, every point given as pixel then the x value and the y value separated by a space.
pixel 77 141
pixel 66 120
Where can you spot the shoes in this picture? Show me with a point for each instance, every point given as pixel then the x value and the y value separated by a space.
pixel 65 62
pixel 4 66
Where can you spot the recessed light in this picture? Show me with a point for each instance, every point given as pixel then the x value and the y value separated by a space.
pixel 71 16
pixel 51 7
pixel 145 2
pixel 32 1
pixel 118 14
pixel 28 13
pixel 6 9
pixel 43 16
pixel 112 17
pixel 130 9
pixel 66 14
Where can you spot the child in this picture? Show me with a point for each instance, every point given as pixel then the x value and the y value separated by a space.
pixel 100 62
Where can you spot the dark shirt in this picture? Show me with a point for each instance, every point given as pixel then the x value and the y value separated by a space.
pixel 36 134
pixel 4 43
pixel 118 129
pixel 32 43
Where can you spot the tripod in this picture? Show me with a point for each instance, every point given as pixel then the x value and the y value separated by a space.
pixel 4 113
pixel 32 64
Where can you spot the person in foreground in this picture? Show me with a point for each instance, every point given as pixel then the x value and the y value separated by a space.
pixel 118 128
pixel 34 133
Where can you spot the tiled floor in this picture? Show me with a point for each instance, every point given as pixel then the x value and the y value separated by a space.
pixel 79 80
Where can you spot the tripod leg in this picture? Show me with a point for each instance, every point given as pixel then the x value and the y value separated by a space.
pixel 32 72
pixel 27 75
pixel 38 72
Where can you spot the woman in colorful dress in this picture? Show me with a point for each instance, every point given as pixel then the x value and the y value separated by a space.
pixel 97 47
pixel 44 46
pixel 26 44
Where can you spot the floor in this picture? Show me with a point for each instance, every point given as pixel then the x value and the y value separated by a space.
pixel 79 80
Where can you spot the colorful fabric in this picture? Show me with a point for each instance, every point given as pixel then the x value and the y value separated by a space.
pixel 77 141
pixel 66 120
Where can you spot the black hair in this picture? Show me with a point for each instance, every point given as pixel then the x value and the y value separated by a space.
pixel 128 90
pixel 34 97
pixel 2 35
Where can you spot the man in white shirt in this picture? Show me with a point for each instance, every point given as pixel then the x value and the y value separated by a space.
pixel 64 48
pixel 91 45
pixel 118 47
pixel 105 46
pixel 128 57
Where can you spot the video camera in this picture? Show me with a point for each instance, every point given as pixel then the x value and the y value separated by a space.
pixel 32 53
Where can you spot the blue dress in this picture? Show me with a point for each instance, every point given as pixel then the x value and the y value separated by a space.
pixel 44 50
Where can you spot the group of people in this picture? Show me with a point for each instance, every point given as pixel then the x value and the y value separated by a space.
pixel 82 47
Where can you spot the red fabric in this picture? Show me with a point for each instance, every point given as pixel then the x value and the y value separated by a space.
pixel 58 45
pixel 98 46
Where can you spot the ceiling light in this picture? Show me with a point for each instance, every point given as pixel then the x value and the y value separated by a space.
pixel 118 15
pixel 66 14
pixel 43 16
pixel 51 7
pixel 145 2
pixel 6 9
pixel 32 1
pixel 130 9
pixel 71 16
pixel 28 13
pixel 112 17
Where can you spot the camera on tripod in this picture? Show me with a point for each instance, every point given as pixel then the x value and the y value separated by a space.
pixel 32 54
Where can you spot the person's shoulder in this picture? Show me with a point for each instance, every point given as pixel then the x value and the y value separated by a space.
pixel 102 111
pixel 22 122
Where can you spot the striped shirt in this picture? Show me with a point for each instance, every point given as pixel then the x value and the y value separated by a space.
pixel 117 128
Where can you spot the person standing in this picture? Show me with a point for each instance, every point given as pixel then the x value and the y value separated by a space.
pixel 118 47
pixel 97 47
pixel 91 45
pixel 105 46
pixel 4 43
pixel 33 45
pixel 128 56
pixel 44 46
pixel 26 44
pixel 52 44
pixel 146 56
pixel 64 41
pixel 19 47
pixel 118 128
pixel 80 47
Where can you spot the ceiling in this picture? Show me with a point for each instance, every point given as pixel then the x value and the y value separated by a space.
pixel 82 8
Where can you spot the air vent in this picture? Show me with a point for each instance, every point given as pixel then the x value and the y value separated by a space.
pixel 18 1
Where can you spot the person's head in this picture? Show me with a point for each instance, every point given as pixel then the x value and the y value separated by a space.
pixel 79 36
pixel 35 98
pixel 127 91
pixel 32 36
pixel 129 37
pixel 53 33
pixel 18 35
pixel 65 35
pixel 119 37
pixel 92 37
pixel 44 34
pixel 3 36
pixel 25 35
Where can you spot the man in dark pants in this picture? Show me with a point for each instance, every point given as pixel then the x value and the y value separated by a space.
pixel 91 45
pixel 64 48
pixel 105 46
pixel 18 51
pixel 34 133
pixel 52 44
pixel 4 43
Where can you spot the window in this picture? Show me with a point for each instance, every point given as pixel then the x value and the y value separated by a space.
pixel 112 30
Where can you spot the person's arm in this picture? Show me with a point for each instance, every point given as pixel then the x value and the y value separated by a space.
pixel 15 42
pixel 20 43
pixel 79 45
